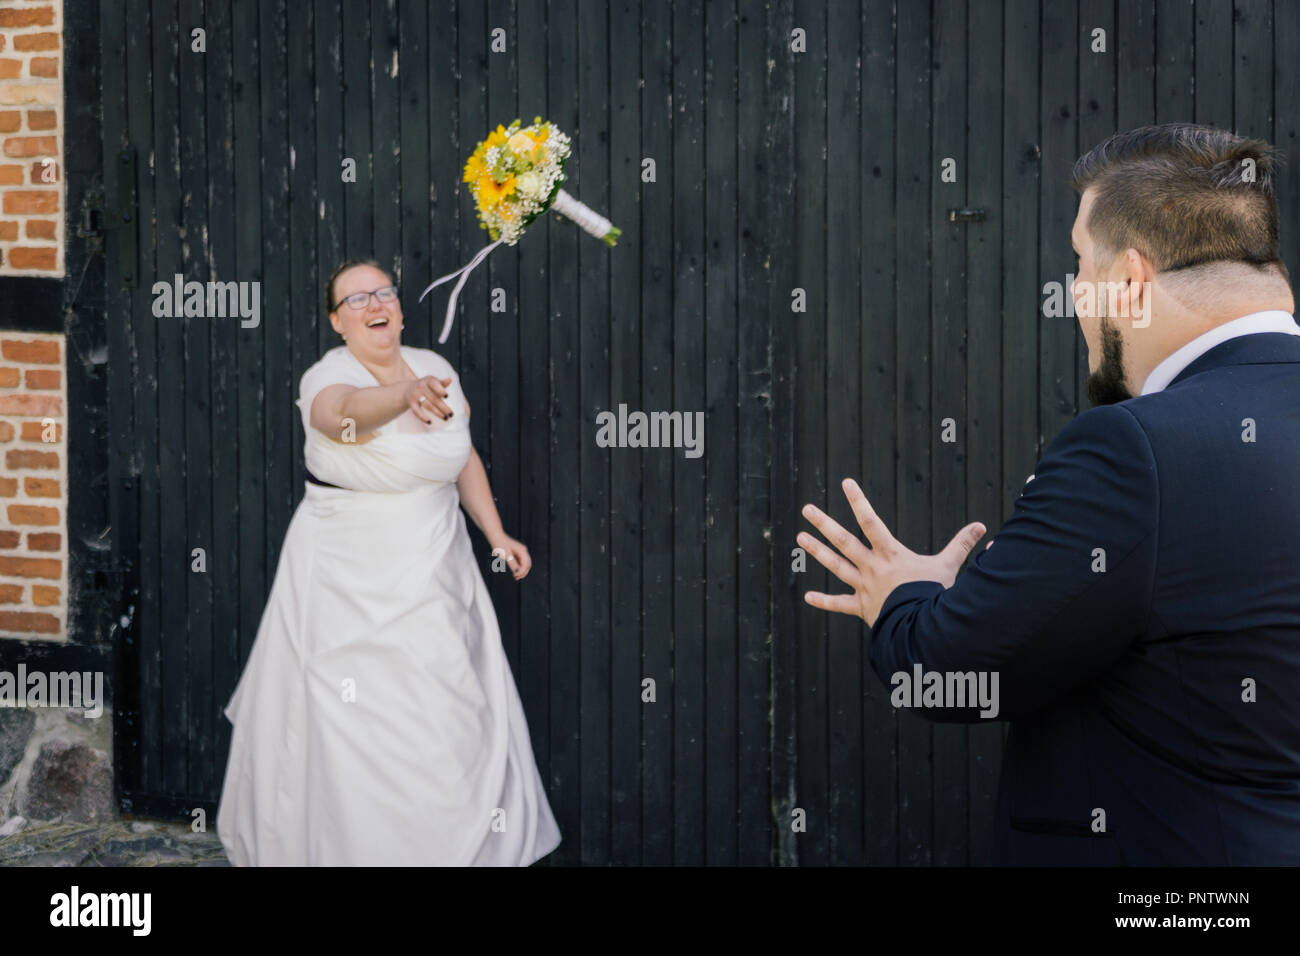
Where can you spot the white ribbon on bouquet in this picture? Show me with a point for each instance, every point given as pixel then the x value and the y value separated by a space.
pixel 463 272
pixel 591 222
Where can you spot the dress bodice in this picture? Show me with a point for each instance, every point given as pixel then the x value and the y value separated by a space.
pixel 405 454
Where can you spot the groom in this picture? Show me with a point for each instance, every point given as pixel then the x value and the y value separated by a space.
pixel 1141 607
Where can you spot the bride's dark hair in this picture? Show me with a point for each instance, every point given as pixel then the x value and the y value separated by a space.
pixel 330 304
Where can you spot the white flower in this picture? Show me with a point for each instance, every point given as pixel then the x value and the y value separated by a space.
pixel 530 185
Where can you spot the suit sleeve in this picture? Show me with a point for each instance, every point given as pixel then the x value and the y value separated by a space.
pixel 1062 593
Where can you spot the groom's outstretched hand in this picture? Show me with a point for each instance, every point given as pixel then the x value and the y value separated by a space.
pixel 874 572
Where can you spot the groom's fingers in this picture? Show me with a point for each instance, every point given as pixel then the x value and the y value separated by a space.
pixel 877 534
pixel 962 544
pixel 828 559
pixel 839 603
pixel 848 544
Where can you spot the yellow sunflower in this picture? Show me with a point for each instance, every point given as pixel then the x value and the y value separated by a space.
pixel 473 167
pixel 490 192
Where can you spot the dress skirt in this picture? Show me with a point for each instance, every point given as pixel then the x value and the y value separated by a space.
pixel 377 721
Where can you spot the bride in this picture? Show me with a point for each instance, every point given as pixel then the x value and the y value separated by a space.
pixel 377 721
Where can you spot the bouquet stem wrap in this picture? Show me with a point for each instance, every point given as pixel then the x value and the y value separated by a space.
pixel 592 222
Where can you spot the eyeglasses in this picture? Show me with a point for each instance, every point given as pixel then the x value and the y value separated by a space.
pixel 359 300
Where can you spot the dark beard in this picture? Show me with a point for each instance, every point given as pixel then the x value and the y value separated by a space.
pixel 1106 385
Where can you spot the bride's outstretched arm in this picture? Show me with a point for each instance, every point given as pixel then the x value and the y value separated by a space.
pixel 369 408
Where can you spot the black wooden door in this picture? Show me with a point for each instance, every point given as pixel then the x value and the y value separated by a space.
pixel 777 168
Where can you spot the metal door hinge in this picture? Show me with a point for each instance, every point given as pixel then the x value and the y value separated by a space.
pixel 96 219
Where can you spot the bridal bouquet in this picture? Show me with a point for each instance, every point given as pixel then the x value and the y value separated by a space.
pixel 515 175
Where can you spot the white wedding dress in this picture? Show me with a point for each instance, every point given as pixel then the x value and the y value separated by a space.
pixel 377 721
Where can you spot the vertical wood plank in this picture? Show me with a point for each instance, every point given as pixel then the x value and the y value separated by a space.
pixel 358 146
pixel 627 491
pixel 763 208
pixel 168 373
pixel 1096 109
pixel 128 743
pixel 275 331
pixel 910 520
pixel 1062 40
pixel 499 435
pixel 1135 42
pixel 724 497
pixel 306 294
pixel 1252 79
pixel 204 772
pixel 844 320
pixel 810 275
pixel 248 344
pixel 879 174
pixel 466 347
pixel 566 439
pixel 329 153
pixel 231 644
pixel 533 675
pixel 686 396
pixel 591 185
pixel 1213 63
pixel 417 260
pixel 385 112
pixel 984 270
pixel 781 199
pixel 1021 301
pixel 144 375
pixel 949 459
pixel 1286 130
pixel 656 393
pixel 1175 66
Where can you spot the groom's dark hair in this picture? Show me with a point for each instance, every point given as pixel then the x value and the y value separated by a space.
pixel 1185 196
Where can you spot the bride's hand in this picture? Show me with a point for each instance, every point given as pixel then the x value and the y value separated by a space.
pixel 515 553
pixel 425 397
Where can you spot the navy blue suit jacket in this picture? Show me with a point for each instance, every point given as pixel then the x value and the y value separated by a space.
pixel 1128 688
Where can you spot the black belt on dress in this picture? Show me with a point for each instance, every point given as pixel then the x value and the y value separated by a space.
pixel 316 481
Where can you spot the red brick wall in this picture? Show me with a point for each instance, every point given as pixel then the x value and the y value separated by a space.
pixel 33 486
pixel 31 137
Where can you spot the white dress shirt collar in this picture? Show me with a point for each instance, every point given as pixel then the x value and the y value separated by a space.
pixel 1272 320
